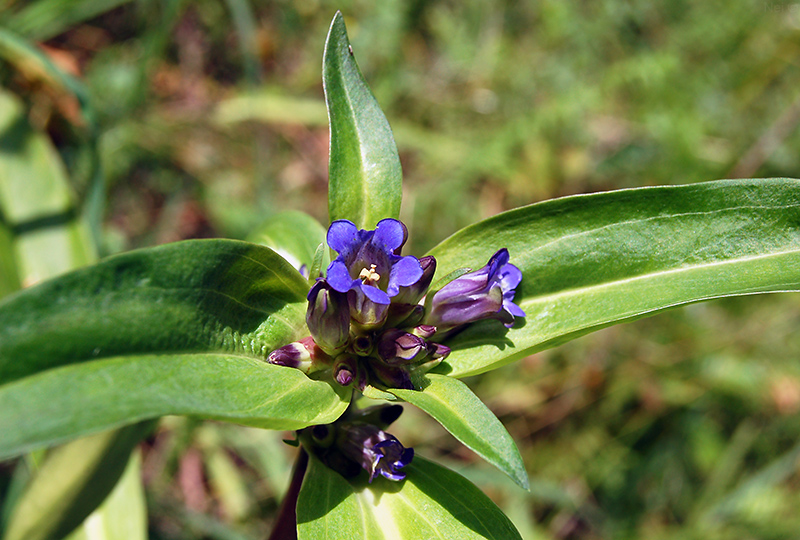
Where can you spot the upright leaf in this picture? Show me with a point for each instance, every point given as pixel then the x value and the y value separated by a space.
pixel 590 261
pixel 467 418
pixel 365 179
pixel 431 503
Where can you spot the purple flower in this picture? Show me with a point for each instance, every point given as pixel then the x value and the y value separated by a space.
pixel 375 450
pixel 369 262
pixel 485 293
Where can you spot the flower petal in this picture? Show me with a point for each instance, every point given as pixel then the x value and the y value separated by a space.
pixel 406 271
pixel 390 234
pixel 375 294
pixel 339 277
pixel 342 235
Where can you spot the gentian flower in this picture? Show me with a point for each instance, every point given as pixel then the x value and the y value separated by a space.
pixel 485 293
pixel 358 441
pixel 375 450
pixel 369 262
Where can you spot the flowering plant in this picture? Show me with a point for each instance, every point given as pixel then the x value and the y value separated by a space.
pixel 233 331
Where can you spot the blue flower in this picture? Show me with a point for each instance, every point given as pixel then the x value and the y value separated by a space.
pixel 485 293
pixel 375 450
pixel 369 262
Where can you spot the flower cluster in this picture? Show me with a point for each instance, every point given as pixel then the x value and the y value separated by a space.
pixel 358 441
pixel 366 318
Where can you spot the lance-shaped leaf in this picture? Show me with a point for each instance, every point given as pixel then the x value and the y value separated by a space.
pixel 467 418
pixel 82 398
pixel 365 179
pixel 591 261
pixel 431 503
pixel 197 296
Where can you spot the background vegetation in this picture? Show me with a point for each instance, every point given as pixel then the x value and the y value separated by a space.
pixel 205 118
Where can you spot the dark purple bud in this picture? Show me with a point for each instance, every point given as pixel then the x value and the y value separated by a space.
pixel 378 452
pixel 405 315
pixel 328 317
pixel 485 293
pixel 424 331
pixel 345 369
pixel 399 347
pixel 392 376
pixel 304 355
pixel 413 293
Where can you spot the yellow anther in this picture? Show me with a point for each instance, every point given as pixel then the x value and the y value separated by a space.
pixel 369 275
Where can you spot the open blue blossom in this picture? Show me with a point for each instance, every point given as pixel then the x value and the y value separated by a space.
pixel 485 293
pixel 369 262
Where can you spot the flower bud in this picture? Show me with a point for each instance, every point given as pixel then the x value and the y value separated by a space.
pixel 485 293
pixel 304 355
pixel 328 317
pixel 399 347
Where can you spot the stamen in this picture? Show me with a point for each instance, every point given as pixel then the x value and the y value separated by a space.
pixel 369 276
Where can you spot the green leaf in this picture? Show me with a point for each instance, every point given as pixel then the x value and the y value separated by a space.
pixel 43 234
pixel 60 497
pixel 293 235
pixel 467 418
pixel 365 178
pixel 83 398
pixel 197 296
pixel 432 502
pixel 123 515
pixel 591 261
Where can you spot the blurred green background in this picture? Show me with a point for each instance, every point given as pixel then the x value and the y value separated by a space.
pixel 181 120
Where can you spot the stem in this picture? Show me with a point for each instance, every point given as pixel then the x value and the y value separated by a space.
pixel 286 524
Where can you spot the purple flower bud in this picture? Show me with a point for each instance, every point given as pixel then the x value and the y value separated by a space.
pixel 345 369
pixel 304 355
pixel 485 293
pixel 328 317
pixel 375 450
pixel 397 347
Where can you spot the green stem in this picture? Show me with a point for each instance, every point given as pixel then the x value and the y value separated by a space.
pixel 286 525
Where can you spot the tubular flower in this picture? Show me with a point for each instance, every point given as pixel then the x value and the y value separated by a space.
pixel 485 293
pixel 375 450
pixel 358 441
pixel 369 262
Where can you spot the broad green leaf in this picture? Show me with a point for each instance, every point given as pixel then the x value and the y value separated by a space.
pixel 197 296
pixel 431 503
pixel 591 261
pixel 365 179
pixel 83 398
pixel 293 235
pixel 61 495
pixel 123 515
pixel 467 418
